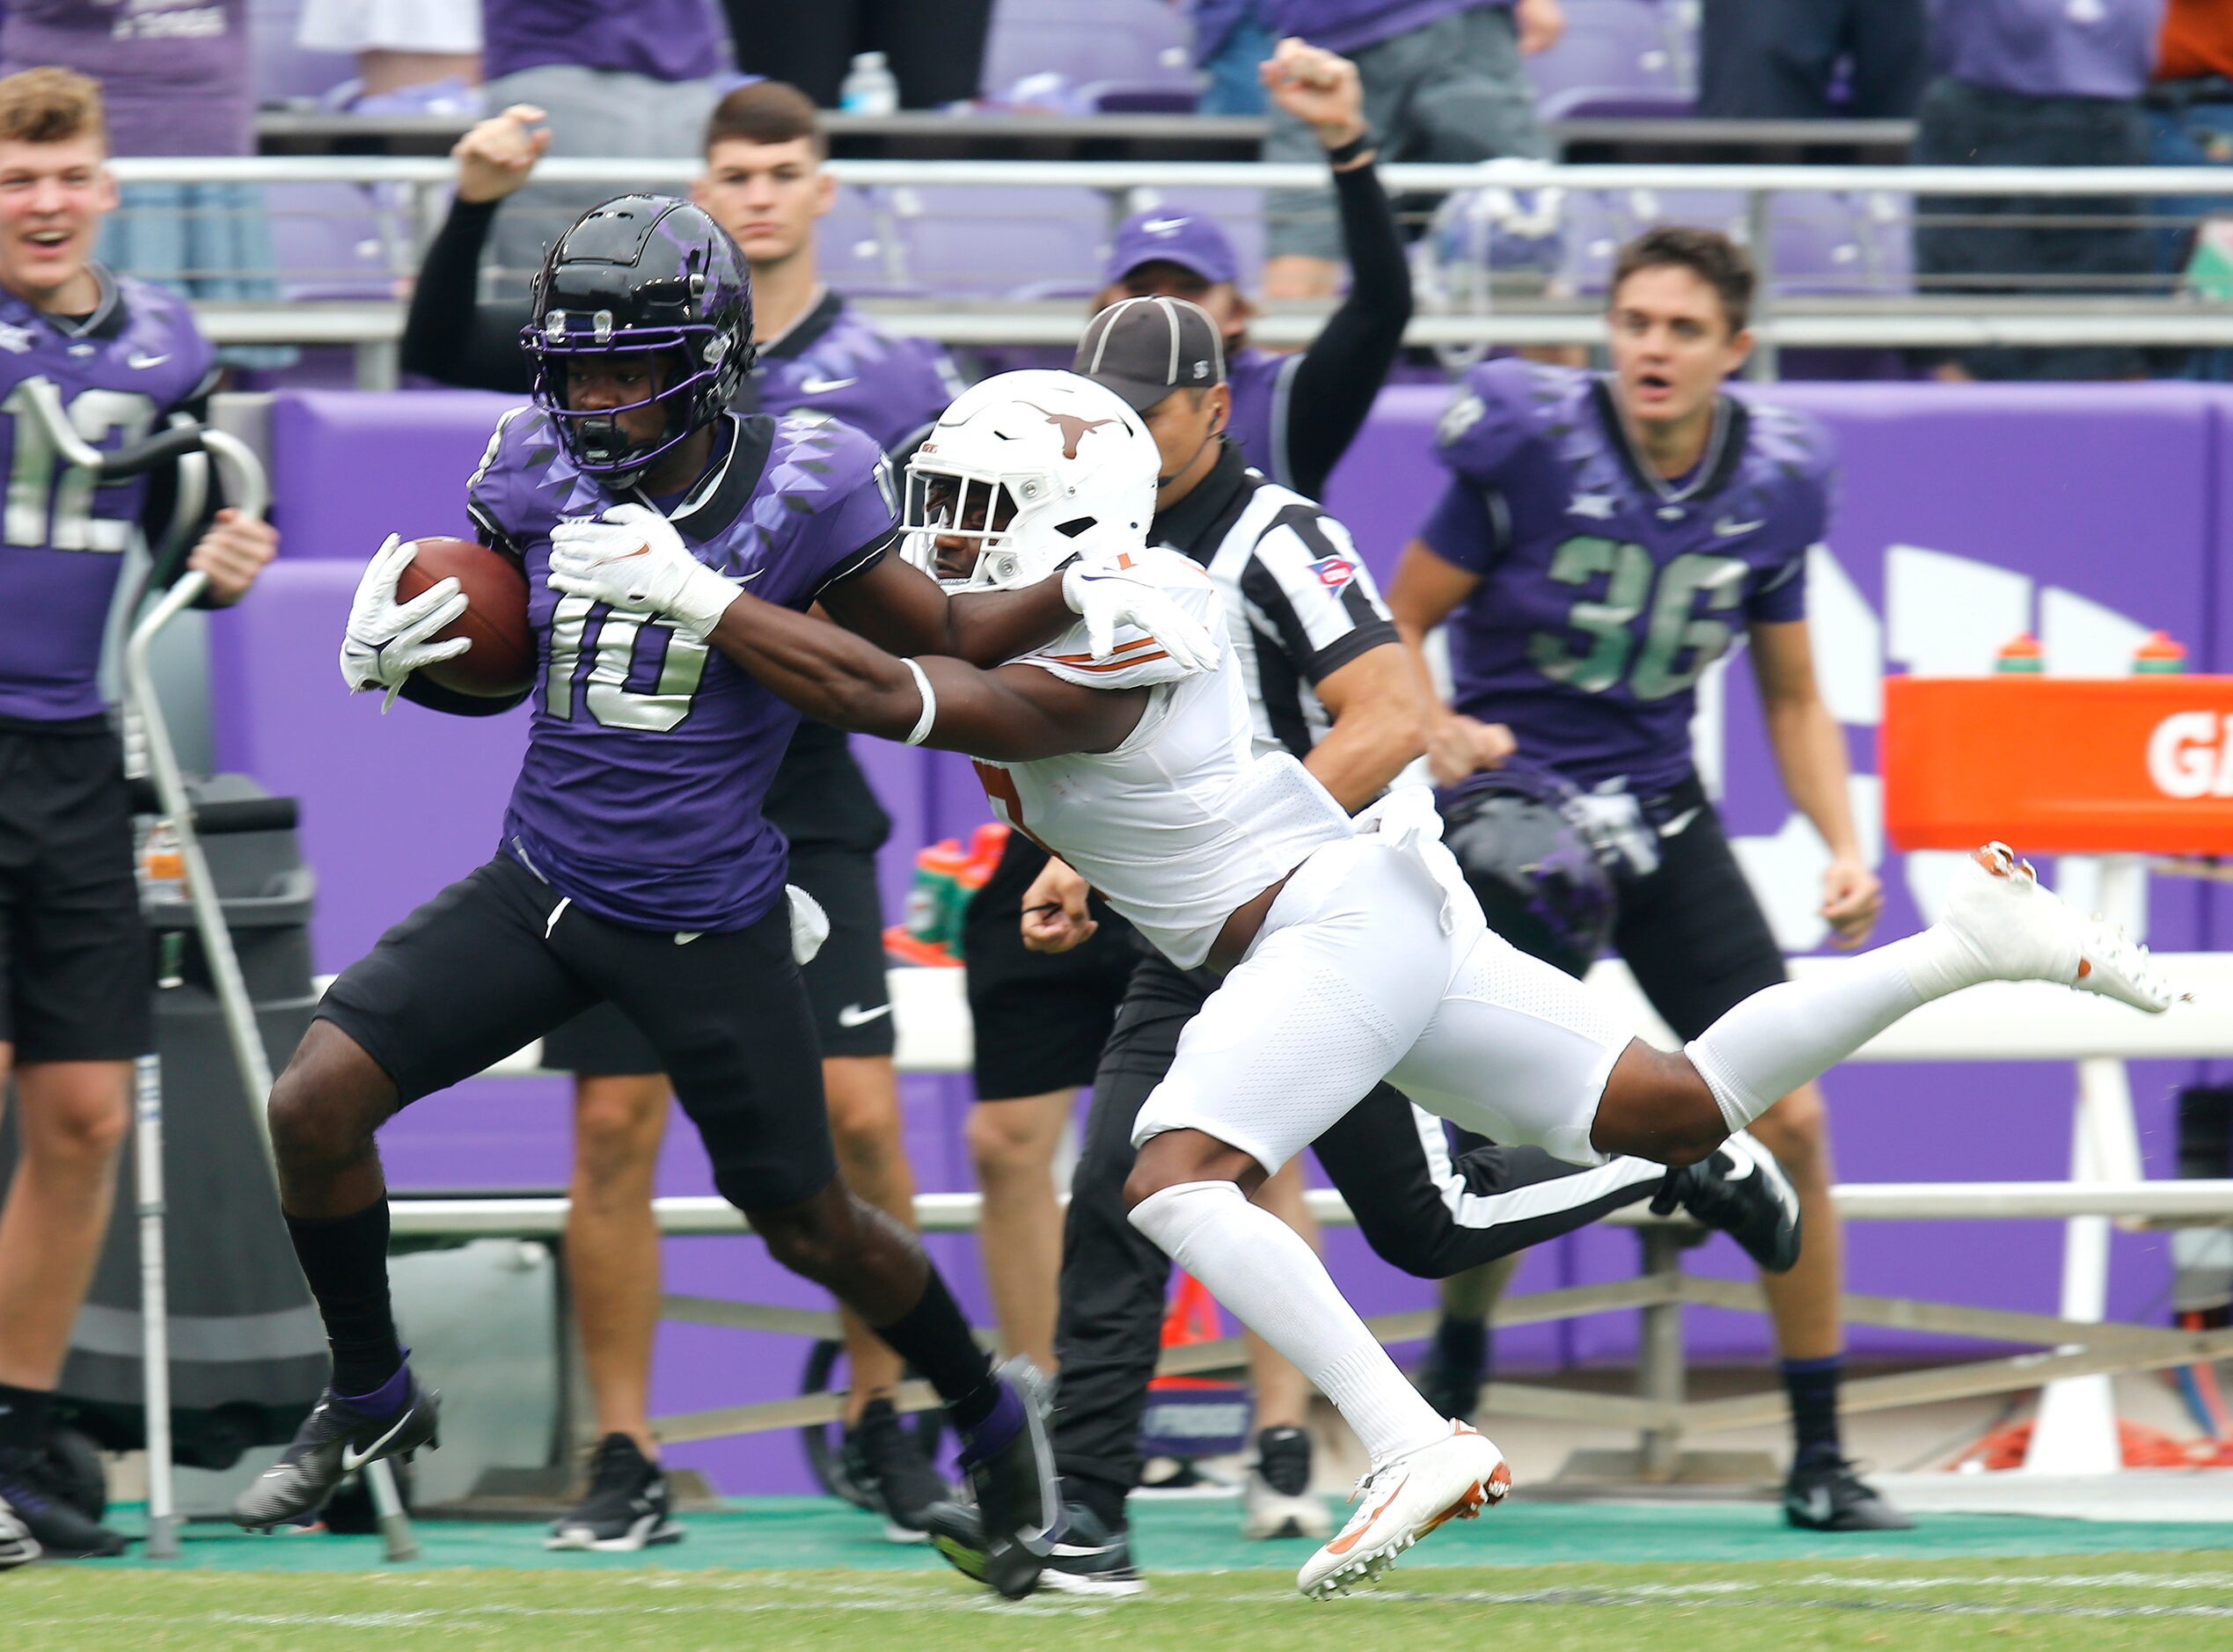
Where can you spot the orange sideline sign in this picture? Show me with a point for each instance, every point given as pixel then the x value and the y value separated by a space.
pixel 2059 765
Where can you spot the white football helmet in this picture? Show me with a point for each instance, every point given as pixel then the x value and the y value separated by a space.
pixel 1024 472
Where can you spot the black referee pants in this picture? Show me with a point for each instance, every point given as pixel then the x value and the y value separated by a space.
pixel 1419 1209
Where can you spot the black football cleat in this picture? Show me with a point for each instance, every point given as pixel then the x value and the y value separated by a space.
pixel 1740 1190
pixel 882 1458
pixel 1084 1561
pixel 17 1546
pixel 336 1440
pixel 1018 1499
pixel 626 1508
pixel 1826 1494
pixel 49 1524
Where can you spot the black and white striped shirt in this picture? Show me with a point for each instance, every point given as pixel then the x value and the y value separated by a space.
pixel 1300 604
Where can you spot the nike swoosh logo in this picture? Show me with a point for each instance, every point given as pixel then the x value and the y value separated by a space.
pixel 824 386
pixel 1349 1541
pixel 684 937
pixel 1725 529
pixel 1069 1551
pixel 853 1015
pixel 1162 226
pixel 352 1459
pixel 1673 828
pixel 138 359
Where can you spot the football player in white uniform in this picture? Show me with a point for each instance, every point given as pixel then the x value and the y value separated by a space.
pixel 1351 950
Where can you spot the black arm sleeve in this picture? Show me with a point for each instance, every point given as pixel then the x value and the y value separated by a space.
pixel 1340 372
pixel 448 335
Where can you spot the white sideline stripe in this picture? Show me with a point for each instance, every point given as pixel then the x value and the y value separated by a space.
pixel 1484 1211
pixel 2001 1021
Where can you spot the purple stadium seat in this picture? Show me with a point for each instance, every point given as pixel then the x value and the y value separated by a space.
pixel 336 240
pixel 857 247
pixel 1086 41
pixel 1610 47
pixel 1617 103
pixel 284 70
pixel 988 242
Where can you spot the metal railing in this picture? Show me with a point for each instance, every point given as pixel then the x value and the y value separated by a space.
pixel 1877 304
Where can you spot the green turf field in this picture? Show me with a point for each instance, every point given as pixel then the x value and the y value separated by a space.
pixel 784 1572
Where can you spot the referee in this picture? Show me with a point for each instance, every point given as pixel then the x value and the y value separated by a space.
pixel 1329 681
pixel 1041 1022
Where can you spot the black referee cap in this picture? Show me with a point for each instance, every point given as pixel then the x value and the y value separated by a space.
pixel 1144 349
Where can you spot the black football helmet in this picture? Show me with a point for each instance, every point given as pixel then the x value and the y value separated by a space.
pixel 640 273
pixel 1541 885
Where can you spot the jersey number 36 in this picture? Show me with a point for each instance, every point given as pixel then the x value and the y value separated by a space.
pixel 1678 643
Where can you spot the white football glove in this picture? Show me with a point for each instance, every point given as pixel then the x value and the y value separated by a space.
pixel 1105 597
pixel 810 925
pixel 633 558
pixel 387 640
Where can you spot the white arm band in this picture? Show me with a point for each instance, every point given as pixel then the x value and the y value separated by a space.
pixel 920 731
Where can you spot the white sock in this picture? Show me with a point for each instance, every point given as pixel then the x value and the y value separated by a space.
pixel 1783 1037
pixel 1262 1270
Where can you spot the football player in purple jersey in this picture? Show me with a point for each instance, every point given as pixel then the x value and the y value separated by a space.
pixel 765 184
pixel 1603 540
pixel 635 864
pixel 122 357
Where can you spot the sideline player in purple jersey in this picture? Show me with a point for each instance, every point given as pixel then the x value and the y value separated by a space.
pixel 765 184
pixel 635 864
pixel 74 962
pixel 1602 541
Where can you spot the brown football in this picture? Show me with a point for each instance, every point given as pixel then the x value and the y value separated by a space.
pixel 501 662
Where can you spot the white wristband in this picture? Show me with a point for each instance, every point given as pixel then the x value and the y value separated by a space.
pixel 921 730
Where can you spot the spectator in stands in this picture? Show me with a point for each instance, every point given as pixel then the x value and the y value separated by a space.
pixel 1781 59
pixel 935 52
pixel 1443 82
pixel 2189 123
pixel 620 82
pixel 764 183
pixel 399 45
pixel 176 82
pixel 2037 82
pixel 1230 39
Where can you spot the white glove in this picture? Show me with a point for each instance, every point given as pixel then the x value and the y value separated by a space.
pixel 387 640
pixel 1105 597
pixel 810 925
pixel 1406 821
pixel 633 558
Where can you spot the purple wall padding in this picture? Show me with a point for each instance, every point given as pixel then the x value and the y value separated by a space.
pixel 2110 493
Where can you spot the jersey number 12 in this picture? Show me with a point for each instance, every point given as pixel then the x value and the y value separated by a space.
pixel 58 512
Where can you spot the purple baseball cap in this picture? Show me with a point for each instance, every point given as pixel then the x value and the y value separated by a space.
pixel 1174 237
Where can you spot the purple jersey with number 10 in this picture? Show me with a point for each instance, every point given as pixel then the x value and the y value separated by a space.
pixel 1606 590
pixel 649 752
pixel 117 372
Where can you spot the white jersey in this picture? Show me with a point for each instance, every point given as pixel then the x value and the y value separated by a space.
pixel 1184 822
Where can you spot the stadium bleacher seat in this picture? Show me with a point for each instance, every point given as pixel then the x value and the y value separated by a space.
pixel 963 242
pixel 1610 48
pixel 336 241
pixel 1088 42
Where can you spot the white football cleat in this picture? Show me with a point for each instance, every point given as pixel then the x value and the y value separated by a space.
pixel 1406 1498
pixel 2018 930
